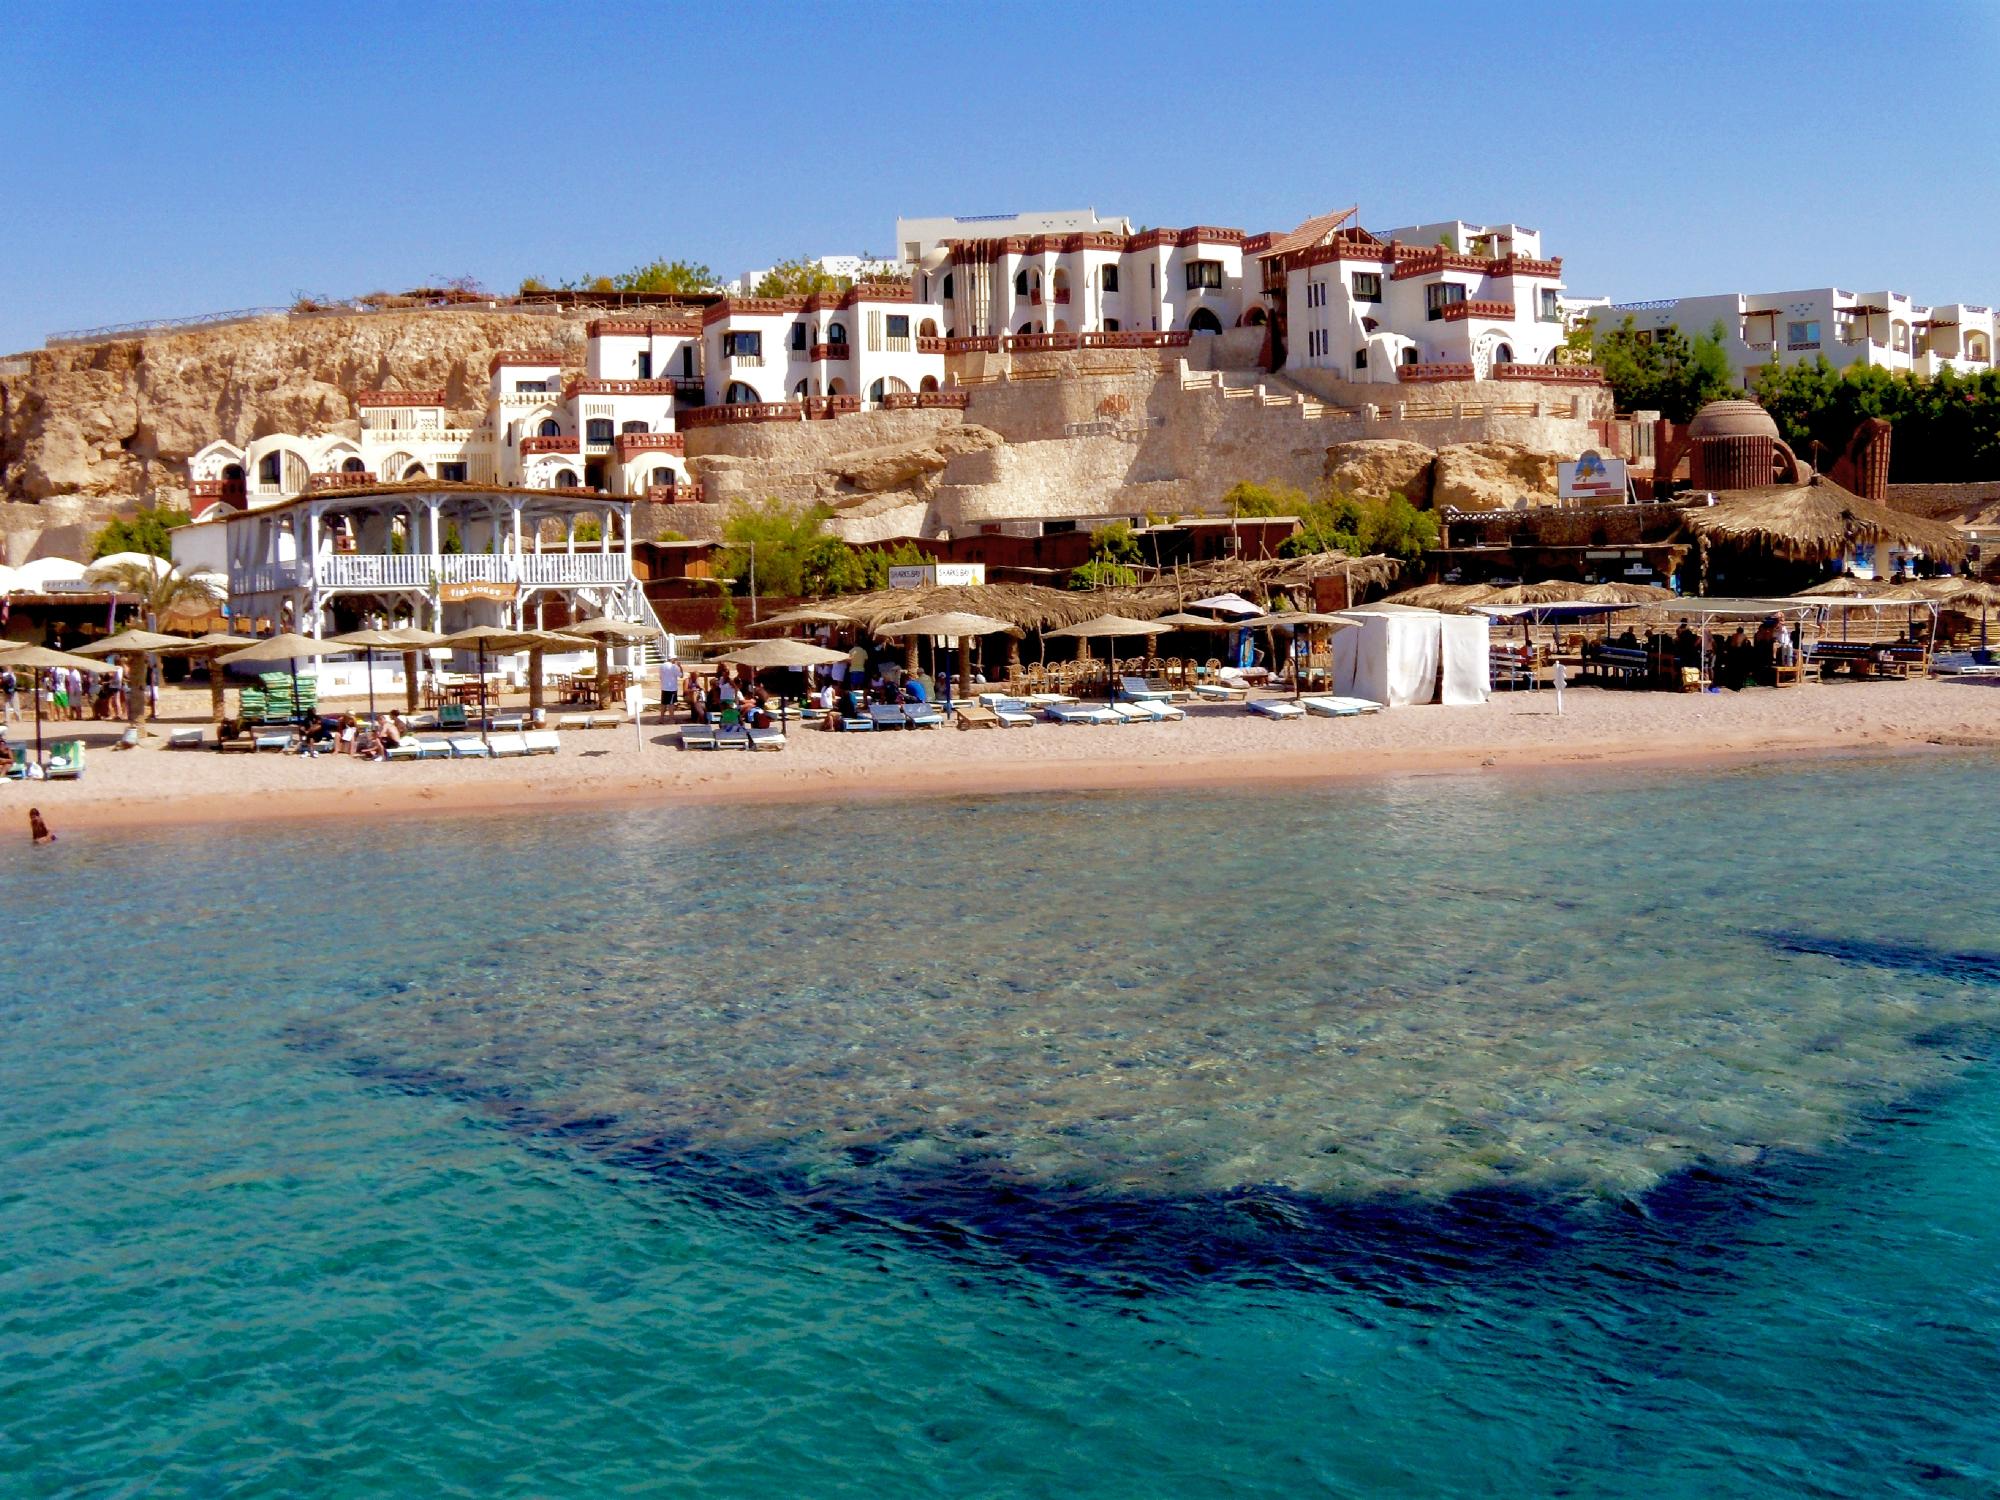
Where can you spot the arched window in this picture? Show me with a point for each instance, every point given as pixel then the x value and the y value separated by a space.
pixel 1020 283
pixel 353 466
pixel 270 468
pixel 1107 278
pixel 565 479
pixel 1025 329
pixel 799 389
pixel 1503 354
pixel 929 383
pixel 635 427
pixel 927 329
pixel 598 429
pixel 836 333
pixel 875 391
pixel 739 394
pixel 232 473
pixel 415 472
pixel 550 428
pixel 1204 321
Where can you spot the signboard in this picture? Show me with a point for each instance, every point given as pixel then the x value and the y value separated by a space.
pixel 458 593
pixel 1592 477
pixel 937 575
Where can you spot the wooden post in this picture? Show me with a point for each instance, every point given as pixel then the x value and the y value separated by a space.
pixel 410 682
pixel 535 678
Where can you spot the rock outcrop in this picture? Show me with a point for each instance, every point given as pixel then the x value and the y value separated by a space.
pixel 1376 468
pixel 117 421
pixel 1492 476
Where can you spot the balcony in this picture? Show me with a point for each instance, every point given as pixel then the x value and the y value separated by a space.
pixel 1488 312
pixel 561 569
pixel 927 344
pixel 1804 346
pixel 830 351
pixel 1562 374
pixel 1422 374
pixel 745 361
pixel 630 443
pixel 419 570
pixel 584 387
pixel 674 494
pixel 346 479
pixel 559 443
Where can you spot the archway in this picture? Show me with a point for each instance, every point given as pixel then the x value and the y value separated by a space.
pixel 888 385
pixel 836 387
pixel 1025 329
pixel 1204 321
pixel 928 383
pixel 549 428
pixel 836 333
pixel 565 479
pixel 1976 348
pixel 414 473
pixel 661 476
pixel 740 394
pixel 801 389
pixel 927 329
pixel 232 473
pixel 1503 354
pixel 1254 318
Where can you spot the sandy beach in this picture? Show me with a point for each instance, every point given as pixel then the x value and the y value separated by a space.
pixel 1217 745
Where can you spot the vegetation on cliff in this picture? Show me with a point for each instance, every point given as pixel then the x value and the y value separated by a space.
pixel 1947 429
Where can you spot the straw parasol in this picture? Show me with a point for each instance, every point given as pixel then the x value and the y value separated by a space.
pixel 1109 628
pixel 782 653
pixel 41 659
pixel 1180 619
pixel 958 624
pixel 1818 522
pixel 212 645
pixel 139 643
pixel 368 642
pixel 603 630
pixel 503 640
pixel 810 614
pixel 413 639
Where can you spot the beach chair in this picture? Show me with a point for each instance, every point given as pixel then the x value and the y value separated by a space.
pixel 407 749
pixel 1326 707
pixel 1081 713
pixel 1149 712
pixel 512 722
pixel 508 745
pixel 573 721
pixel 1013 713
pixel 765 739
pixel 1275 708
pixel 468 747
pixel 1138 690
pixel 976 716
pixel 541 741
pixel 698 737
pixel 923 716
pixel 188 737
pixel 65 761
pixel 452 716
pixel 887 716
pixel 271 739
pixel 17 763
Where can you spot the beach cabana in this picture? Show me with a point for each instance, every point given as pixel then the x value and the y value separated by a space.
pixel 1402 655
pixel 1107 628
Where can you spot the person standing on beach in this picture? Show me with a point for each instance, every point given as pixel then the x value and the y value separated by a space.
pixel 670 683
pixel 10 693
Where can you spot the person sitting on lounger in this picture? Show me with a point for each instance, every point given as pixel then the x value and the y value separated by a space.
pixel 1687 646
pixel 913 690
pixel 391 730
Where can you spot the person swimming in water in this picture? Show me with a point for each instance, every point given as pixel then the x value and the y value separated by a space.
pixel 37 829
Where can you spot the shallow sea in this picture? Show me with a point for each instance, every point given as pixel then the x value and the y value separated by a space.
pixel 1620 1135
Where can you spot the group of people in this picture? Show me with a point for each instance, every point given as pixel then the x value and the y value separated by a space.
pixel 66 693
pixel 1735 660
pixel 348 734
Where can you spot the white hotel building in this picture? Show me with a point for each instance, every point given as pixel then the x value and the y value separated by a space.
pixel 1882 329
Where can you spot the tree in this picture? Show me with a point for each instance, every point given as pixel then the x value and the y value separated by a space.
pixel 144 531
pixel 799 278
pixel 533 284
pixel 681 276
pixel 160 592
pixel 1661 369
pixel 1244 498
pixel 1947 430
pixel 789 551
pixel 1113 551
pixel 1339 522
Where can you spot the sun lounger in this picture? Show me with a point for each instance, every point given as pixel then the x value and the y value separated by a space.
pixel 573 721
pixel 468 747
pixel 1082 713
pixel 1148 712
pixel 508 744
pixel 1339 708
pixel 698 737
pixel 65 761
pixel 17 763
pixel 189 737
pixel 541 741
pixel 1137 690
pixel 1275 708
pixel 766 739
pixel 513 722
pixel 1044 700
pixel 731 737
pixel 923 716
pixel 1013 713
pixel 1222 692
pixel 271 739
pixel 887 716
pixel 404 750
pixel 451 716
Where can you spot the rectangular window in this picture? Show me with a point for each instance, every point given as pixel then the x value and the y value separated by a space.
pixel 529 387
pixel 1204 274
pixel 1361 358
pixel 1110 279
pixel 645 364
pixel 899 326
pixel 913 251
pixel 1551 306
pixel 687 361
pixel 747 344
pixel 1437 298
pixel 1802 333
pixel 1153 277
pixel 798 335
pixel 1367 286
pixel 452 473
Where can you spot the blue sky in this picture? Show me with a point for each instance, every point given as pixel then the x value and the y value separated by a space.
pixel 168 160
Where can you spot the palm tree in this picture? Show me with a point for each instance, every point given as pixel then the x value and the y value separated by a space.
pixel 160 591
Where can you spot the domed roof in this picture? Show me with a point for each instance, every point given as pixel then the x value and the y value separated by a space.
pixel 1732 419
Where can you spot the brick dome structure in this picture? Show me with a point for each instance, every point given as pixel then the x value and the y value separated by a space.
pixel 1734 445
pixel 1721 419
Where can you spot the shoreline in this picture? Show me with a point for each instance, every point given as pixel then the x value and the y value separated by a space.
pixel 692 778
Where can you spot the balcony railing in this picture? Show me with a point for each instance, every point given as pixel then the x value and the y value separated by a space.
pixel 1803 345
pixel 588 387
pixel 560 443
pixel 830 351
pixel 821 408
pixel 419 570
pixel 263 580
pixel 1563 374
pixel 346 479
pixel 674 494
pixel 929 344
pixel 1419 374
pixel 374 570
pixel 391 436
pixel 1497 312
pixel 630 443
pixel 746 361
pixel 559 569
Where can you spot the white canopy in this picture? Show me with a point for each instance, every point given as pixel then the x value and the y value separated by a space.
pixel 1229 604
pixel 35 576
pixel 1403 655
pixel 101 569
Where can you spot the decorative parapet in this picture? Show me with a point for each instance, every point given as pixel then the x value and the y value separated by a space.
pixel 535 358
pixel 346 479
pixel 1459 312
pixel 642 328
pixel 1558 374
pixel 830 351
pixel 1426 374
pixel 400 398
pixel 559 443
pixel 586 386
pixel 629 443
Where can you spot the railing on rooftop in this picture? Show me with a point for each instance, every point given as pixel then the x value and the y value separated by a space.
pixel 346 479
pixel 560 443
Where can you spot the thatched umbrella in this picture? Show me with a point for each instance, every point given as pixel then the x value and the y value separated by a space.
pixel 1848 587
pixel 288 647
pixel 1818 522
pixel 41 659
pixel 413 636
pixel 782 653
pixel 211 646
pixel 1109 628
pixel 502 640
pixel 956 623
pixel 141 644
pixel 604 630
pixel 1454 598
pixel 367 642
pixel 1298 620
pixel 805 615
pixel 1961 594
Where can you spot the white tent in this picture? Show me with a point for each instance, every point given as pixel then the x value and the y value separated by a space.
pixel 34 577
pixel 1402 655
pixel 100 570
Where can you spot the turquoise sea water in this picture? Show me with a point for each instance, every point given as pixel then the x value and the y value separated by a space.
pixel 1454 1136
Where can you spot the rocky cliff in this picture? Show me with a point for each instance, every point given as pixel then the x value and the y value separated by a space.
pixel 114 423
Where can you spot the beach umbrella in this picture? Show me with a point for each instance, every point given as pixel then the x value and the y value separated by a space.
pixel 603 630
pixel 782 653
pixel 413 639
pixel 368 642
pixel 1182 620
pixel 1108 628
pixel 211 646
pixel 288 648
pixel 499 639
pixel 1300 619
pixel 139 643
pixel 1229 604
pixel 957 623
pixel 41 659
pixel 806 615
